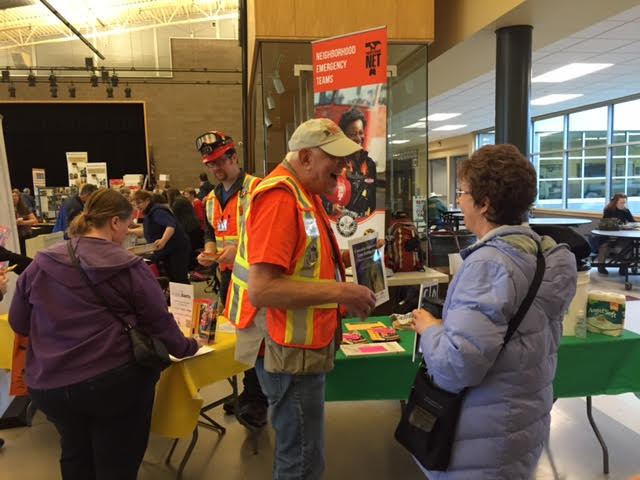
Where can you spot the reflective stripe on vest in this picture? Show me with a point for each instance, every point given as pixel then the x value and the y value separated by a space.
pixel 299 328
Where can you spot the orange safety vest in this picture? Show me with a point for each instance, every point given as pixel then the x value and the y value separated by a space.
pixel 311 327
pixel 233 214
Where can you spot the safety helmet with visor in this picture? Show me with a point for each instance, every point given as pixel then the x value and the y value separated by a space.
pixel 212 145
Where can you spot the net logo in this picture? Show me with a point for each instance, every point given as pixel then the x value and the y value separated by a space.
pixel 373 56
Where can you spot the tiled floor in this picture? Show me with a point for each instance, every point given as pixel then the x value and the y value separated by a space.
pixel 360 442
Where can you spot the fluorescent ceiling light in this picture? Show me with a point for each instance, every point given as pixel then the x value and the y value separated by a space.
pixel 398 142
pixel 569 72
pixel 449 127
pixel 439 117
pixel 417 125
pixel 555 98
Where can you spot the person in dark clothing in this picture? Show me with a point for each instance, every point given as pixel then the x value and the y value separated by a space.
pixel 25 219
pixel 186 215
pixel 21 261
pixel 205 187
pixel 162 229
pixel 616 208
pixel 72 207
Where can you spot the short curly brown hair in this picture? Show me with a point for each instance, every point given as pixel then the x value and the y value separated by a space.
pixel 504 177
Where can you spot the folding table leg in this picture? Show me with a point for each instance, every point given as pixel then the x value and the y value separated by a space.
pixel 187 454
pixel 605 450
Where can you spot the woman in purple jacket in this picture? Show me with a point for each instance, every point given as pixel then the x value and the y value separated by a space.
pixel 79 369
pixel 504 420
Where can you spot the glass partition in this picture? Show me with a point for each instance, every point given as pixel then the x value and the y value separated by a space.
pixel 283 96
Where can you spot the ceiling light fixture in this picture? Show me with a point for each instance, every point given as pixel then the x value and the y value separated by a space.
pixel 127 91
pixel 93 80
pixel 555 98
pixel 569 72
pixel 72 91
pixel 416 125
pixel 438 117
pixel 31 79
pixel 6 76
pixel 54 92
pixel 12 91
pixel 53 81
pixel 114 79
pixel 109 92
pixel 449 127
pixel 105 75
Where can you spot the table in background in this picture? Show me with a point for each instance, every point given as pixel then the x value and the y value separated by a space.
pixel 628 257
pixel 401 279
pixel 561 221
pixel 597 365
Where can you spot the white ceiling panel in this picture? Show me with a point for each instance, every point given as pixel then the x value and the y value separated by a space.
pixel 613 40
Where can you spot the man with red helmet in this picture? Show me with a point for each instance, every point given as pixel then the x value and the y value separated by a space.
pixel 225 206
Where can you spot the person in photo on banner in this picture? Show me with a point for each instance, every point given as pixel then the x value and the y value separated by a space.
pixel 289 293
pixel 225 206
pixel 80 367
pixel 504 420
pixel 356 191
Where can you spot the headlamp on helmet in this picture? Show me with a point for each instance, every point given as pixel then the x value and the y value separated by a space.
pixel 212 145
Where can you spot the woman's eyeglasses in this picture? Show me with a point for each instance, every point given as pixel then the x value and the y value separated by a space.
pixel 459 193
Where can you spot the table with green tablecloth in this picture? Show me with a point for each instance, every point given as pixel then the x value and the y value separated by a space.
pixel 596 365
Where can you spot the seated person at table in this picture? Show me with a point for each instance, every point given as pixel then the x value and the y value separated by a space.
pixel 616 208
pixel 80 368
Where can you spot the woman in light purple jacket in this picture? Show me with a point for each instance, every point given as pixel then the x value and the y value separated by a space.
pixel 504 420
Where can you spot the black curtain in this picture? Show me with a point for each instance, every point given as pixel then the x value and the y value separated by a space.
pixel 38 135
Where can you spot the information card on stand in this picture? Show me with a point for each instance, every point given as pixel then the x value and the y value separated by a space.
pixel 182 305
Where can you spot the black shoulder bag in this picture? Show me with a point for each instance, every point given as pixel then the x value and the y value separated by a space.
pixel 429 419
pixel 148 352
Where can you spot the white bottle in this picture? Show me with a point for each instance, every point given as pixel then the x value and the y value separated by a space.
pixel 581 325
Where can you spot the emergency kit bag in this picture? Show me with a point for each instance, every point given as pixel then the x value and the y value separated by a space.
pixel 148 352
pixel 405 252
pixel 429 419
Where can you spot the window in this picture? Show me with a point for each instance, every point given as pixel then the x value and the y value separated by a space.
pixel 581 164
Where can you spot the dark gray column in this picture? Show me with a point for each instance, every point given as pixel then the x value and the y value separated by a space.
pixel 513 86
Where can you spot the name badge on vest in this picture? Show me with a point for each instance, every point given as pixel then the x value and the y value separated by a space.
pixel 311 227
pixel 223 225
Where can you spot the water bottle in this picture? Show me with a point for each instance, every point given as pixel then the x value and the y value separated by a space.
pixel 581 325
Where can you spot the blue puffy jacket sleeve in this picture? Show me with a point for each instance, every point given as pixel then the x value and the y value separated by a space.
pixel 479 306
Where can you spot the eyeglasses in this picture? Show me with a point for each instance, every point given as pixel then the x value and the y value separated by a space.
pixel 218 162
pixel 459 192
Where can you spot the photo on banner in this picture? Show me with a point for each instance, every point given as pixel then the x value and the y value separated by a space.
pixel 350 88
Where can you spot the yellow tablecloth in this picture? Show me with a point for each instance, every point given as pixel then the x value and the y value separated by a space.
pixel 177 405
pixel 6 342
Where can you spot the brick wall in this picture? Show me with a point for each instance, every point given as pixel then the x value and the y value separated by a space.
pixel 176 113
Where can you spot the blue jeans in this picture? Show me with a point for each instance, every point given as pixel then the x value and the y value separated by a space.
pixel 297 414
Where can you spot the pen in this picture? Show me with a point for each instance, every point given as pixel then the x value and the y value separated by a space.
pixel 9 269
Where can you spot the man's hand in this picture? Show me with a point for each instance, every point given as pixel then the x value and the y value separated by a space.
pixel 423 320
pixel 227 255
pixel 207 258
pixel 357 299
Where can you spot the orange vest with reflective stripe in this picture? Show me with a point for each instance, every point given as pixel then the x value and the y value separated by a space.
pixel 311 327
pixel 233 213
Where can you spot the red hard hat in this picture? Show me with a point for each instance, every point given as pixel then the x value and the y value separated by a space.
pixel 212 145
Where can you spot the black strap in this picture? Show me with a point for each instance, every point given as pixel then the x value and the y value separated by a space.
pixel 76 263
pixel 515 321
